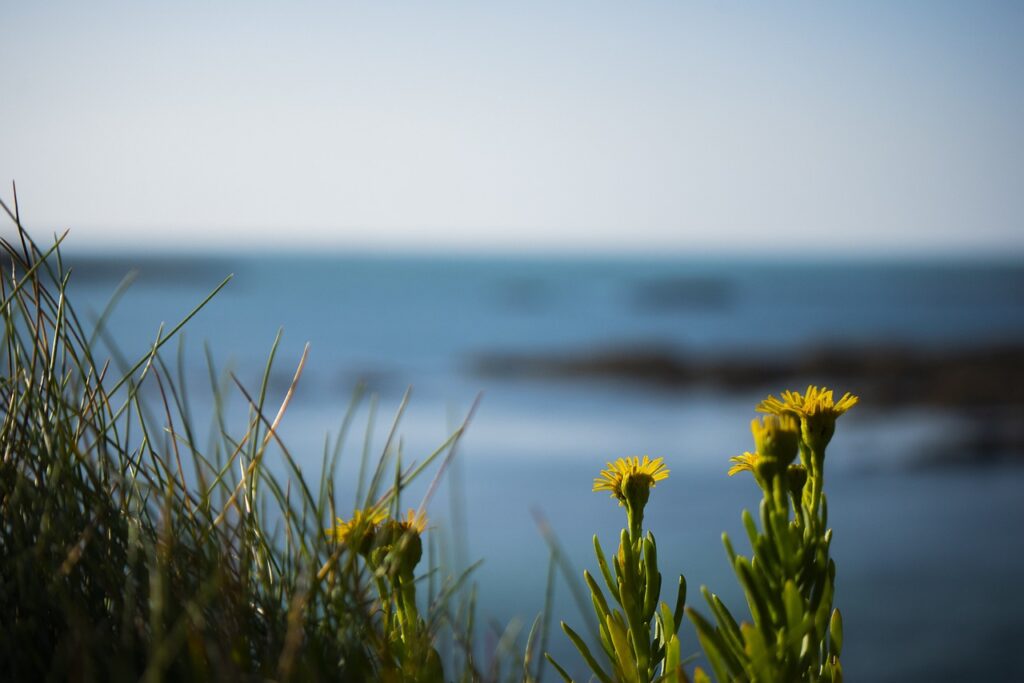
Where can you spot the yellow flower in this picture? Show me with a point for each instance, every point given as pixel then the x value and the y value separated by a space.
pixel 626 473
pixel 817 401
pixel 414 521
pixel 744 463
pixel 397 546
pixel 817 412
pixel 362 522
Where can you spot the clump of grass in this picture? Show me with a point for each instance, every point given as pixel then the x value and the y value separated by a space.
pixel 129 551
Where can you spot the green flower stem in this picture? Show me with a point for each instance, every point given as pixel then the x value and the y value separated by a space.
pixel 817 480
pixel 778 493
pixel 635 519
pixel 385 598
pixel 408 615
pixel 634 589
pixel 632 593
pixel 798 512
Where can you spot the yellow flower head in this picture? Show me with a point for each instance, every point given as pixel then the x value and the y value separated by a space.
pixel 744 463
pixel 398 547
pixel 414 521
pixel 817 401
pixel 817 412
pixel 629 475
pixel 361 526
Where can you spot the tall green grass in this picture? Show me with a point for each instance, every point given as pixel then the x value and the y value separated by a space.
pixel 134 545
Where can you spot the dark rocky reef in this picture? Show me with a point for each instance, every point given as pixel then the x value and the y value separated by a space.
pixel 981 386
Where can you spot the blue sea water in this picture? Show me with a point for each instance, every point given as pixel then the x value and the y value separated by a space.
pixel 929 560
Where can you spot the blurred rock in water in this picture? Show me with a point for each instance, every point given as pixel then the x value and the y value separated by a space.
pixel 982 385
pixel 683 293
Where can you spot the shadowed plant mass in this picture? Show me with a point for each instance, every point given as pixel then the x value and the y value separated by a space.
pixel 133 546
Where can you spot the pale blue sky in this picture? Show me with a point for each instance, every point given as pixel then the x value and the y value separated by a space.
pixel 685 127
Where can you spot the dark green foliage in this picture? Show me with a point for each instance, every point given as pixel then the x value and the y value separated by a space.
pixel 128 551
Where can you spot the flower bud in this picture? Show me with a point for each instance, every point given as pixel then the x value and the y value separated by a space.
pixel 776 437
pixel 796 477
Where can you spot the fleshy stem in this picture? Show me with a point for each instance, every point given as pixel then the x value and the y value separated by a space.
pixel 635 521
pixel 405 601
pixel 778 495
pixel 817 477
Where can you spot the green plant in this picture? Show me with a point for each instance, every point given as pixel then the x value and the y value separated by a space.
pixel 392 548
pixel 632 652
pixel 793 633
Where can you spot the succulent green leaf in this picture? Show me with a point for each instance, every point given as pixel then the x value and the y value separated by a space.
pixel 672 665
pixel 561 672
pixel 728 548
pixel 680 603
pixel 623 650
pixel 602 563
pixel 726 624
pixel 751 528
pixel 600 604
pixel 585 652
pixel 835 630
pixel 755 599
pixel 757 652
pixel 794 604
pixel 719 655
